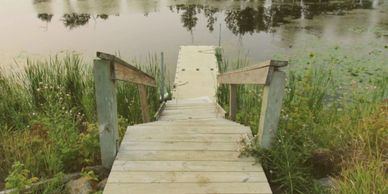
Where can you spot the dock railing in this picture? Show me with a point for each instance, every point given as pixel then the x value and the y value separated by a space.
pixel 107 70
pixel 269 75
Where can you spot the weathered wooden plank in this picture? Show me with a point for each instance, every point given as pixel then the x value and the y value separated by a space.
pixel 195 122
pixel 188 130
pixel 126 72
pixel 106 111
pixel 207 121
pixel 180 155
pixel 196 69
pixel 186 117
pixel 210 113
pixel 271 108
pixel 184 137
pixel 190 105
pixel 232 101
pixel 173 145
pixel 186 166
pixel 180 188
pixel 192 110
pixel 122 72
pixel 190 124
pixel 257 74
pixel 200 102
pixel 144 103
pixel 186 177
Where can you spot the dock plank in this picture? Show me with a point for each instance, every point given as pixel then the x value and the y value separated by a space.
pixel 185 155
pixel 174 145
pixel 186 177
pixel 186 166
pixel 189 188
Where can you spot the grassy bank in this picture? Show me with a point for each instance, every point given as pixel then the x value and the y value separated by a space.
pixel 334 123
pixel 48 119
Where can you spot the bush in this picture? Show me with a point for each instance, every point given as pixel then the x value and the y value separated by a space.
pixel 18 178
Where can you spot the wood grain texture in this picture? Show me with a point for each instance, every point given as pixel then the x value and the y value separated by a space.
pixel 271 107
pixel 126 72
pixel 186 166
pixel 256 74
pixel 196 73
pixel 186 177
pixel 232 101
pixel 189 188
pixel 106 111
pixel 260 74
pixel 144 103
pixel 122 72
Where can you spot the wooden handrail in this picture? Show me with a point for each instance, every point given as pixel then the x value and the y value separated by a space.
pixel 269 75
pixel 107 70
pixel 260 74
pixel 126 72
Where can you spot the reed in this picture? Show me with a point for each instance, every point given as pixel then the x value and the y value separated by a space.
pixel 333 124
pixel 48 116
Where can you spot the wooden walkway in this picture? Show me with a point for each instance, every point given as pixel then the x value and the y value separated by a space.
pixel 191 148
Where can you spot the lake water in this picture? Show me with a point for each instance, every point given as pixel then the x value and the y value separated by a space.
pixel 137 28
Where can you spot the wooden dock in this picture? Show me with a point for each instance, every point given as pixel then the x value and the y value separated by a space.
pixel 191 148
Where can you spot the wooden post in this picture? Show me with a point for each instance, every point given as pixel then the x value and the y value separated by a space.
pixel 144 103
pixel 162 76
pixel 232 101
pixel 219 37
pixel 271 107
pixel 106 111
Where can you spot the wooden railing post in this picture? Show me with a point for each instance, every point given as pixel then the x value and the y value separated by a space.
pixel 271 107
pixel 106 111
pixel 274 80
pixel 232 101
pixel 162 76
pixel 107 70
pixel 144 103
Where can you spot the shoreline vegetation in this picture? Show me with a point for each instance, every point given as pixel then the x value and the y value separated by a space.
pixel 48 120
pixel 333 131
pixel 332 135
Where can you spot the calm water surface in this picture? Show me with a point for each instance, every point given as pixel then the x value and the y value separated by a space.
pixel 136 28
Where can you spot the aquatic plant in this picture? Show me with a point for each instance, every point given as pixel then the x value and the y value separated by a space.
pixel 333 123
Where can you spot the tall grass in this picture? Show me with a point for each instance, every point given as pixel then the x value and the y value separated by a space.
pixel 48 115
pixel 333 124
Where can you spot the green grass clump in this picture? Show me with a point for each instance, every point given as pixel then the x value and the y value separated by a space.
pixel 48 118
pixel 333 123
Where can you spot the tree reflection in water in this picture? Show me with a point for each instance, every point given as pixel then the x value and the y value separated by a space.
pixel 242 20
pixel 189 15
pixel 45 17
pixel 74 20
pixel 262 17
pixel 211 19
pixel 103 16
